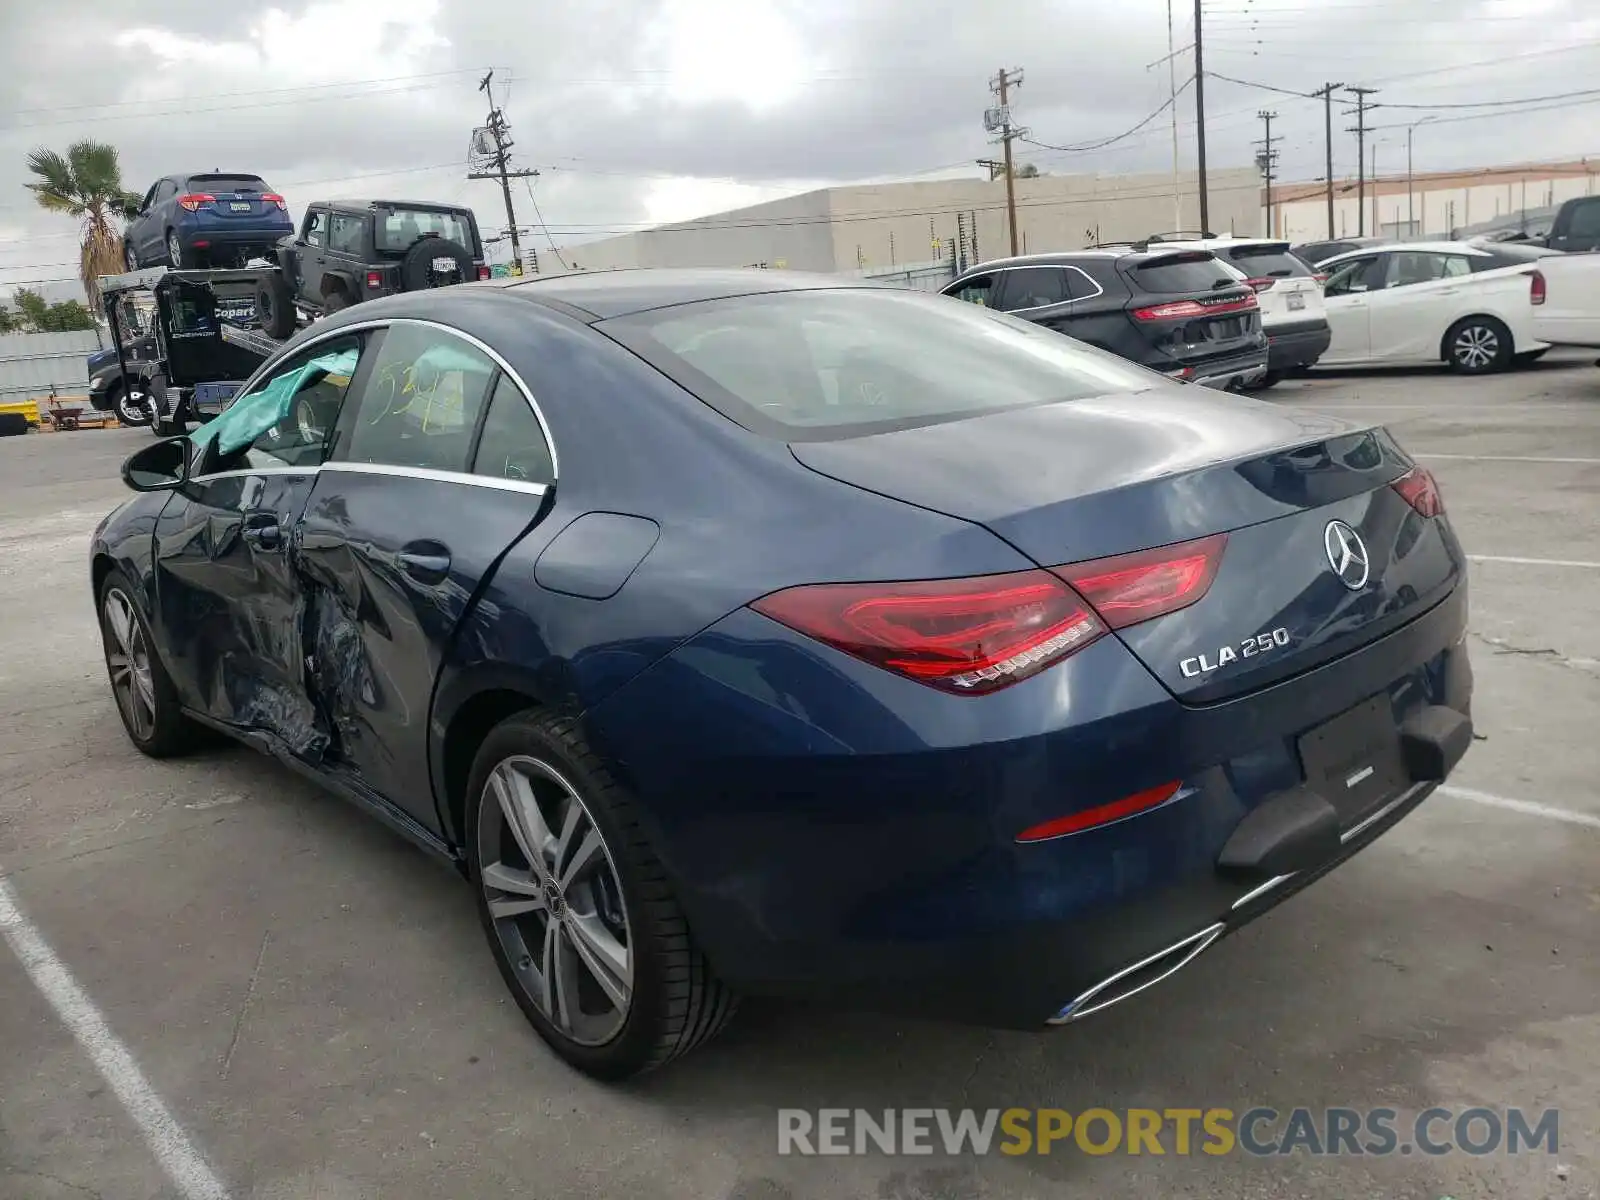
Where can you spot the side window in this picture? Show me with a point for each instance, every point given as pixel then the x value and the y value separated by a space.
pixel 316 231
pixel 344 233
pixel 1456 265
pixel 420 404
pixel 977 290
pixel 513 444
pixel 1409 267
pixel 1358 275
pixel 286 419
pixel 166 190
pixel 1585 220
pixel 150 197
pixel 1034 287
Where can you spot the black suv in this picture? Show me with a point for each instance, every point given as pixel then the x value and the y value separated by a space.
pixel 348 251
pixel 1180 312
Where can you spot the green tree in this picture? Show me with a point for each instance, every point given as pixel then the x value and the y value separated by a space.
pixel 33 310
pixel 67 316
pixel 1028 171
pixel 8 320
pixel 86 183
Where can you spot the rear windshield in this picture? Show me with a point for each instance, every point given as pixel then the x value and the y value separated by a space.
pixel 396 228
pixel 1184 275
pixel 833 363
pixel 228 183
pixel 1266 262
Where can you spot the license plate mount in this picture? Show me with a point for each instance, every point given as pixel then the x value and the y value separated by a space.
pixel 1296 301
pixel 1355 759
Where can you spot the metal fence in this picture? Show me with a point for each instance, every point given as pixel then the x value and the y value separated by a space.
pixel 921 277
pixel 35 366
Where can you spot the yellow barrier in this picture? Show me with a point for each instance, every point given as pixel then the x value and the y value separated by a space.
pixel 28 408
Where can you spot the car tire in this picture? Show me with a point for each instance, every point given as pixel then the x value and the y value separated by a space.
pixel 176 258
pixel 146 700
pixel 130 405
pixel 130 256
pixel 1478 346
pixel 1270 379
pixel 536 779
pixel 275 306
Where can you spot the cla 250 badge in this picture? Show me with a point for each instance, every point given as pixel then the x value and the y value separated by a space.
pixel 1262 643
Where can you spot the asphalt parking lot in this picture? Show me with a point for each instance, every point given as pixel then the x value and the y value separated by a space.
pixel 293 1003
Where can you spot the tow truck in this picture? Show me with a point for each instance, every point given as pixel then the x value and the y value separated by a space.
pixel 207 339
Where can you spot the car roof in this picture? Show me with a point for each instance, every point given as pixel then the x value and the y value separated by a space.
pixel 1426 247
pixel 606 294
pixel 367 205
pixel 1067 258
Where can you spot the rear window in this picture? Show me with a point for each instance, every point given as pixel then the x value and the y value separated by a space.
pixel 1267 262
pixel 396 228
pixel 228 183
pixel 1198 274
pixel 834 363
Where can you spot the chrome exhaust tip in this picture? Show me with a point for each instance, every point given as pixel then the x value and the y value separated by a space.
pixel 1145 973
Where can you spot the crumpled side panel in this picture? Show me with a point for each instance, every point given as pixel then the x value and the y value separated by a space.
pixel 339 666
pixel 258 704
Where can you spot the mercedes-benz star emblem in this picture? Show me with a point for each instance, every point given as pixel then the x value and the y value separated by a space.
pixel 1347 555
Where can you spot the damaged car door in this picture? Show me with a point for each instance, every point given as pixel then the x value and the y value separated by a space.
pixel 397 539
pixel 230 600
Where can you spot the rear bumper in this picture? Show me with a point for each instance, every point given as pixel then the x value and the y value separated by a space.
pixel 1240 370
pixel 817 860
pixel 1297 345
pixel 262 237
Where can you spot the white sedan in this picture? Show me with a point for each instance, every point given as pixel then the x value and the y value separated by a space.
pixel 1468 305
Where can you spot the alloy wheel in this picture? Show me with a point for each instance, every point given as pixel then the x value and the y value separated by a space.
pixel 1477 347
pixel 174 251
pixel 131 408
pixel 555 900
pixel 128 657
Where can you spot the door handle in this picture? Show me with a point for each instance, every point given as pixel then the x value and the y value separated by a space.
pixel 262 531
pixel 426 562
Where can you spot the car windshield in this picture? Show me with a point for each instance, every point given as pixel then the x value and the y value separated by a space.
pixel 228 183
pixel 1267 262
pixel 396 228
pixel 1199 272
pixel 831 363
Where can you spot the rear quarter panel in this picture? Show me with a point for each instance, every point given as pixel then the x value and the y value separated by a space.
pixel 1570 315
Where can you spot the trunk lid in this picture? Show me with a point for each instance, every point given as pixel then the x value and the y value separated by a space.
pixel 1191 308
pixel 1091 479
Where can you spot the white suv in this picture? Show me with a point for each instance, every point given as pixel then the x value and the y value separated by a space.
pixel 1292 311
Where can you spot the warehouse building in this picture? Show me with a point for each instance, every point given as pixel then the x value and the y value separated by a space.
pixel 880 229
pixel 1434 204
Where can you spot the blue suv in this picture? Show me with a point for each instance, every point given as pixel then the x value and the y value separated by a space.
pixel 220 219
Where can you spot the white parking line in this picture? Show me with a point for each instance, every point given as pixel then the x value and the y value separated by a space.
pixel 1519 458
pixel 1527 807
pixel 166 1139
pixel 1535 562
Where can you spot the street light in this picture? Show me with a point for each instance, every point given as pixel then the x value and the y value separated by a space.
pixel 1411 194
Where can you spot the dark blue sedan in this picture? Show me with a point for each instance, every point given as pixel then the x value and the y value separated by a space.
pixel 751 633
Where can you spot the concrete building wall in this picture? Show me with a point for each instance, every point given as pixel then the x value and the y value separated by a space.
pixel 1432 205
pixel 883 226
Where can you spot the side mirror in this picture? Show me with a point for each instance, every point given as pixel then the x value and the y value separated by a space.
pixel 163 467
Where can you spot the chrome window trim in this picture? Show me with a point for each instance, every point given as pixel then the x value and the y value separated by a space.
pixel 1098 290
pixel 495 482
pixel 490 352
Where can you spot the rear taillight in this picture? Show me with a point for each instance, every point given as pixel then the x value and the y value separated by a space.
pixel 1420 490
pixel 274 198
pixel 977 635
pixel 1261 285
pixel 483 271
pixel 1131 588
pixel 1183 310
pixel 194 200
pixel 374 279
pixel 967 636
pixel 1536 287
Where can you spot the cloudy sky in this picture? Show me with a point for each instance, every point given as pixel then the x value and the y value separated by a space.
pixel 639 111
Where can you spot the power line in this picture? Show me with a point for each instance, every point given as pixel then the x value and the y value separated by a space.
pixel 1085 147
pixel 556 250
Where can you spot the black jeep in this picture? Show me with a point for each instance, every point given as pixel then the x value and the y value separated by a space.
pixel 348 251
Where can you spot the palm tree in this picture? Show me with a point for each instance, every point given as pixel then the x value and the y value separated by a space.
pixel 87 183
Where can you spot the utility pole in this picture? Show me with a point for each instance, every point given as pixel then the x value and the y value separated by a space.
pixel 994 168
pixel 494 164
pixel 1266 158
pixel 1360 130
pixel 1172 111
pixel 1000 118
pixel 1326 92
pixel 1200 119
